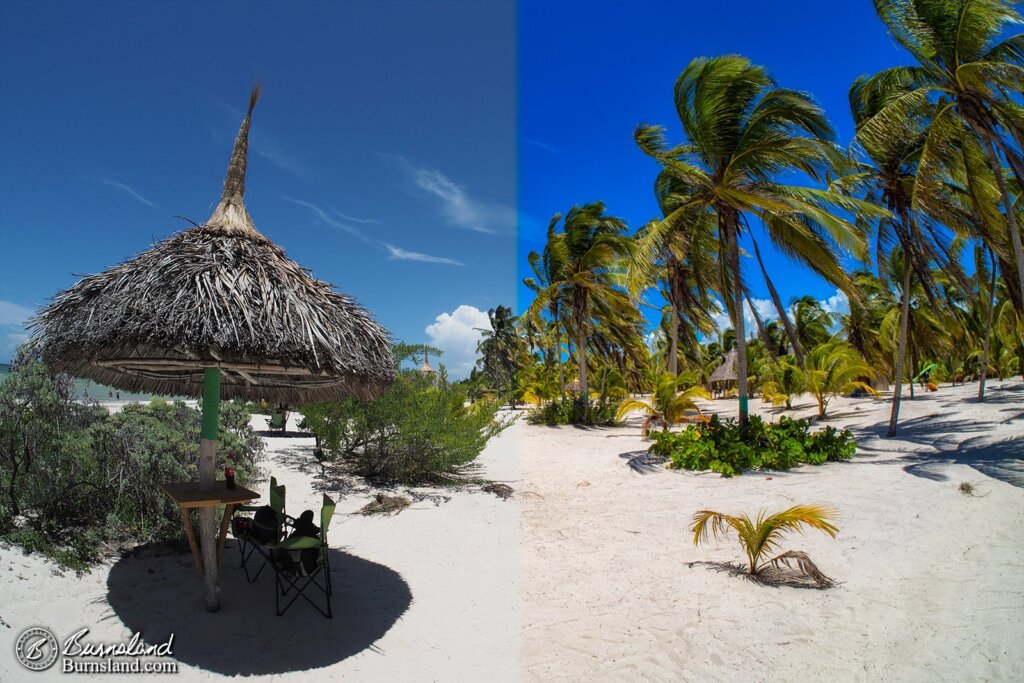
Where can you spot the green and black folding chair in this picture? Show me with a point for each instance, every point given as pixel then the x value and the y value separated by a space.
pixel 299 561
pixel 254 534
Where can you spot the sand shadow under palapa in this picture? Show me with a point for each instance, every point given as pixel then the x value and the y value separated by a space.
pixel 157 594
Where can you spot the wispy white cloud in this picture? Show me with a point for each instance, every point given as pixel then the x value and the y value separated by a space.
pixel 458 206
pixel 129 189
pixel 457 334
pixel 542 145
pixel 399 254
pixel 364 221
pixel 326 218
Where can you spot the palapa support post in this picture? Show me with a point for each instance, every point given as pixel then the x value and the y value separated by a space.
pixel 207 478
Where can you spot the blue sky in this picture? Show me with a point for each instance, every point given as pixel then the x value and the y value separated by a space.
pixel 382 155
pixel 590 72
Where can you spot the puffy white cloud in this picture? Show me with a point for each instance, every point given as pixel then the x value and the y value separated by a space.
pixel 765 309
pixel 837 303
pixel 457 334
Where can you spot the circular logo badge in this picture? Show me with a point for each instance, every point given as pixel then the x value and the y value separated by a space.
pixel 36 649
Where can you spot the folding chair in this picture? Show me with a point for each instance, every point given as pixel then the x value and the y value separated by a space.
pixel 248 543
pixel 291 572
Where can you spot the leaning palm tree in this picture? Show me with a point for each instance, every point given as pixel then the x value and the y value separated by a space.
pixel 889 175
pixel 672 397
pixel 547 267
pixel 743 133
pixel 589 250
pixel 762 536
pixel 835 369
pixel 967 83
pixel 681 256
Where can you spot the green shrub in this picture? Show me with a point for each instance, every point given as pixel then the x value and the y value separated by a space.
pixel 74 477
pixel 601 412
pixel 727 449
pixel 417 431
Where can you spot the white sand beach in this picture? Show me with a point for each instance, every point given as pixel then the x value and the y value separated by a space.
pixel 930 581
pixel 589 571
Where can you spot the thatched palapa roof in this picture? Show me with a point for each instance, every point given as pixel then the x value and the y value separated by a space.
pixel 726 372
pixel 219 294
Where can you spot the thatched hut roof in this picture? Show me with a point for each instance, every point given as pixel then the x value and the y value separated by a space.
pixel 726 372
pixel 217 295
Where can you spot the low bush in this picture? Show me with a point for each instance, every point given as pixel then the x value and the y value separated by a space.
pixel 601 412
pixel 418 431
pixel 726 448
pixel 74 477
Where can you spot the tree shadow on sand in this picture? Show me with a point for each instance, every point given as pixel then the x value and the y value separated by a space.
pixel 160 595
pixel 938 443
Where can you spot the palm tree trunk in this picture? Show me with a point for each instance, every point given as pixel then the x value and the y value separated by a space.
pixel 581 349
pixel 737 323
pixel 673 323
pixel 558 350
pixel 894 416
pixel 988 328
pixel 794 341
pixel 1011 218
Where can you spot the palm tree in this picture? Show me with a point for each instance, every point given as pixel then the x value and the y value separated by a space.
pixel 784 383
pixel 501 349
pixel 762 536
pixel 587 282
pixel 890 177
pixel 679 254
pixel 669 401
pixel 966 84
pixel 833 369
pixel 743 133
pixel 813 322
pixel 547 269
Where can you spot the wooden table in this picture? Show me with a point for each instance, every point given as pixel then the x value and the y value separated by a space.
pixel 189 494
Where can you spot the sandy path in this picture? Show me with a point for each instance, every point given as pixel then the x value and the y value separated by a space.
pixel 931 581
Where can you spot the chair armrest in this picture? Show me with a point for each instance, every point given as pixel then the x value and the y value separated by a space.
pixel 296 543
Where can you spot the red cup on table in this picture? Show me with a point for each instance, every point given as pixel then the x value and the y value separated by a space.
pixel 229 477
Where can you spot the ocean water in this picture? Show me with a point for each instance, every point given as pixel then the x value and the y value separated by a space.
pixel 85 388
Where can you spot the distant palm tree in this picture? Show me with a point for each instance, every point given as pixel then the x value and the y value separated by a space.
pixel 966 85
pixel 672 396
pixel 681 254
pixel 501 348
pixel 813 322
pixel 890 177
pixel 784 383
pixel 834 369
pixel 743 133
pixel 588 282
pixel 546 269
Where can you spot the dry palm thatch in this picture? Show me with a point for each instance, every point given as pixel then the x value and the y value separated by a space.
pixel 216 295
pixel 726 372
